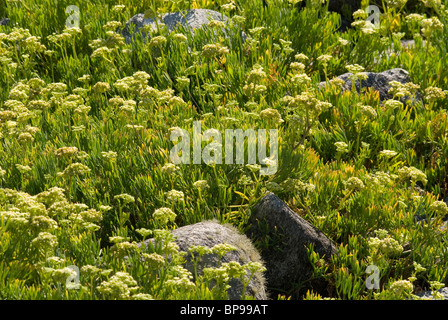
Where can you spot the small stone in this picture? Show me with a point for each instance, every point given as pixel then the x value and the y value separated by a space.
pixel 427 295
pixel 190 19
pixel 4 22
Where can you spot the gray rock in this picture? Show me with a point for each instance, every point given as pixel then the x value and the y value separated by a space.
pixel 286 257
pixel 378 81
pixel 191 19
pixel 210 233
pixel 427 295
pixel 4 22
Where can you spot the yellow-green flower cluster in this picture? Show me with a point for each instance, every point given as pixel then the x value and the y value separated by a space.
pixel 66 152
pixel 213 50
pixel 23 168
pixel 256 75
pixel 218 274
pixel 357 72
pixel 109 155
pixel 431 25
pixel 234 269
pixel 17 34
pixel 151 95
pixel 401 288
pixel 118 8
pixel 413 173
pixel 112 25
pixel 91 215
pixel 61 275
pixel 44 243
pixel 174 196
pixel 254 266
pixel 179 37
pixel 216 24
pixel 170 168
pixel 158 41
pixel 33 44
pixel 274 187
pixel 301 57
pixel 396 4
pixel 337 83
pixel 126 198
pixel 414 18
pixel 271 115
pixel 124 248
pixel 221 249
pixel 101 52
pixel 201 184
pixel 228 7
pixel 66 35
pixel 25 138
pixel 439 208
pixel 386 246
pixel 436 4
pixel 298 66
pixel 17 220
pixel 307 103
pixel 101 87
pixel 434 93
pixel 435 287
pixel 43 223
pixel 300 79
pixel 254 89
pixel 73 170
pixel 90 271
pixel 238 19
pixel 293 185
pixel 155 260
pixel 324 59
pixel 354 184
pixel 341 147
pixel 164 215
pixel 256 31
pixel 182 281
pixel 368 111
pixel 360 14
pixel 391 104
pixel 388 154
pixel 119 286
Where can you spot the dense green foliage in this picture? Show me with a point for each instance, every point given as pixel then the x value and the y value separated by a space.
pixel 85 125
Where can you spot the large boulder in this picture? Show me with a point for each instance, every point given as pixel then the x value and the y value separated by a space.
pixel 378 81
pixel 211 233
pixel 286 258
pixel 190 19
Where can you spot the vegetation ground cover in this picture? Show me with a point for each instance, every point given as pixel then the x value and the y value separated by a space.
pixel 85 122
